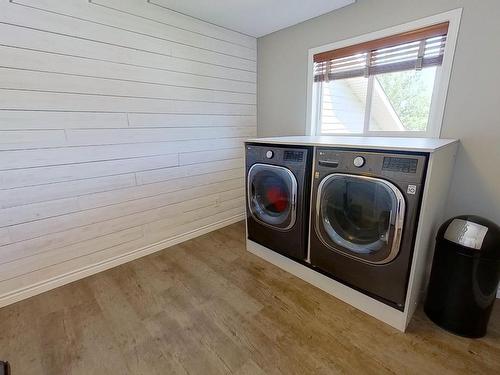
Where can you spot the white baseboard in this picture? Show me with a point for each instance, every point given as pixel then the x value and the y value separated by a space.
pixel 92 269
pixel 370 306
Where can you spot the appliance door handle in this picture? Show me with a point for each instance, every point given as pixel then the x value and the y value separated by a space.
pixel 398 224
pixel 391 221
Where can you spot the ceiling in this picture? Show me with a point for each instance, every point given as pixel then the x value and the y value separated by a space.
pixel 254 17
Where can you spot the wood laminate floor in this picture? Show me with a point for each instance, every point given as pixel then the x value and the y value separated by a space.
pixel 209 307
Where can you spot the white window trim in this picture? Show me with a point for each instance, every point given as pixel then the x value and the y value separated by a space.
pixel 441 82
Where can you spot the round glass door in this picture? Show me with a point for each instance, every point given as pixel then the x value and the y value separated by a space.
pixel 272 192
pixel 360 217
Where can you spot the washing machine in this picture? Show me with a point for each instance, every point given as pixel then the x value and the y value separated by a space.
pixel 364 214
pixel 278 180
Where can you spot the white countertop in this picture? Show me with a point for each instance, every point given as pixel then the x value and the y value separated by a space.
pixel 378 143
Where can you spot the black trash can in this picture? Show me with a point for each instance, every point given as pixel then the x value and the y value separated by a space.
pixel 4 368
pixel 465 275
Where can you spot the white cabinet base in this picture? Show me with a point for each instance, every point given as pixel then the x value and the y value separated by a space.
pixel 371 306
pixel 436 186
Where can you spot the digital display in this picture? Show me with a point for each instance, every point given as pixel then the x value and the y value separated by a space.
pixel 404 165
pixel 294 156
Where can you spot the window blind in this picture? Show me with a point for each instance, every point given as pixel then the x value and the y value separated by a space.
pixel 416 49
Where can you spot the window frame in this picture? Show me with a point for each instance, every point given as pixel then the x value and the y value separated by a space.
pixel 441 81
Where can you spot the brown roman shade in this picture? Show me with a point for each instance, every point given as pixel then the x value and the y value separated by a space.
pixel 415 49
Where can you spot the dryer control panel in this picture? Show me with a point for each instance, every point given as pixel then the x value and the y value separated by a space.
pixel 276 155
pixel 293 155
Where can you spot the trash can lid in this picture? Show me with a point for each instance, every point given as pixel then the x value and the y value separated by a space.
pixel 476 234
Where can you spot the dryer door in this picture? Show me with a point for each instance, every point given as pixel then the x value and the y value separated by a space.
pixel 272 195
pixel 360 217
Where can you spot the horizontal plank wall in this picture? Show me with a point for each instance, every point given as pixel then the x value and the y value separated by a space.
pixel 121 132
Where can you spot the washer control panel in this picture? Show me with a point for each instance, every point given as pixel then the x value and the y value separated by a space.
pixel 408 168
pixel 404 165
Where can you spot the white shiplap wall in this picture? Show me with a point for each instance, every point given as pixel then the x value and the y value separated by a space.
pixel 121 132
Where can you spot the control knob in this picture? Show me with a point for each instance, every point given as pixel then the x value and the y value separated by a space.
pixel 269 154
pixel 359 161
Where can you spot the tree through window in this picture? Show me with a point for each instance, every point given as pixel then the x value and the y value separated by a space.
pixel 381 86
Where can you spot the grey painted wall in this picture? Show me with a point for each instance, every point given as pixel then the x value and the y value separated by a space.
pixel 472 111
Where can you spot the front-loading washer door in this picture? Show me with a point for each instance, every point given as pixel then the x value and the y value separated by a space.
pixel 272 195
pixel 360 217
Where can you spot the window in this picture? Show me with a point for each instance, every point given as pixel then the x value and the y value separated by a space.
pixel 385 86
